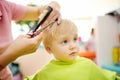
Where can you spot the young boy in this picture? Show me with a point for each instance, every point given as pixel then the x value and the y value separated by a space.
pixel 62 41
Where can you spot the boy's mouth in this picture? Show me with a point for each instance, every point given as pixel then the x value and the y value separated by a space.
pixel 73 54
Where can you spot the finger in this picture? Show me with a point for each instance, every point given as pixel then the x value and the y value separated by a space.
pixel 38 37
pixel 24 36
pixel 52 17
pixel 37 32
pixel 50 20
pixel 59 19
pixel 55 5
pixel 28 36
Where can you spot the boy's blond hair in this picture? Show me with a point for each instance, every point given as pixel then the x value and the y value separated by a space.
pixel 52 33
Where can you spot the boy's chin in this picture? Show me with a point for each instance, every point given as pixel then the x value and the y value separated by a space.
pixel 71 59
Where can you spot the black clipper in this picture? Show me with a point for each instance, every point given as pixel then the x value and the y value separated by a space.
pixel 43 16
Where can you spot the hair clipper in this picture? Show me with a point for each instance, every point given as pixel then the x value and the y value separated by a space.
pixel 43 16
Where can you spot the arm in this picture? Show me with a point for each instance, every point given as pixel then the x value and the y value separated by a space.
pixel 24 44
pixel 33 13
pixel 2 49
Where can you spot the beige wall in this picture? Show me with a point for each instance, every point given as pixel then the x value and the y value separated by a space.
pixel 29 64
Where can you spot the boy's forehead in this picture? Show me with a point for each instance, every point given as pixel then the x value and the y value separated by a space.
pixel 66 34
pixel 66 27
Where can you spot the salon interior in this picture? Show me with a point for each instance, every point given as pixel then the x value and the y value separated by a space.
pixel 102 15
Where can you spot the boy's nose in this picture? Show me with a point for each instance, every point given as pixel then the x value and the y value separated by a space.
pixel 72 46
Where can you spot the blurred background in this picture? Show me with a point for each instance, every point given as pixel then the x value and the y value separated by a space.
pixel 82 12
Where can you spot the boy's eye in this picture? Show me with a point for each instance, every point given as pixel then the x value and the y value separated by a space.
pixel 75 39
pixel 65 41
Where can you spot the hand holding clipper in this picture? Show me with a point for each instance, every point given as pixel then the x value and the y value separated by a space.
pixel 41 19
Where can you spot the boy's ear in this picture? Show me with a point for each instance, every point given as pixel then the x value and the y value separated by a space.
pixel 48 49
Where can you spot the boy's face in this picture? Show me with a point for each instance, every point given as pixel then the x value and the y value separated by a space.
pixel 65 46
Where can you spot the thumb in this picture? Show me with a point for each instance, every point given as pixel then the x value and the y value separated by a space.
pixel 38 37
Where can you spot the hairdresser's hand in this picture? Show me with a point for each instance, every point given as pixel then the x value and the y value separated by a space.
pixel 24 44
pixel 55 14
